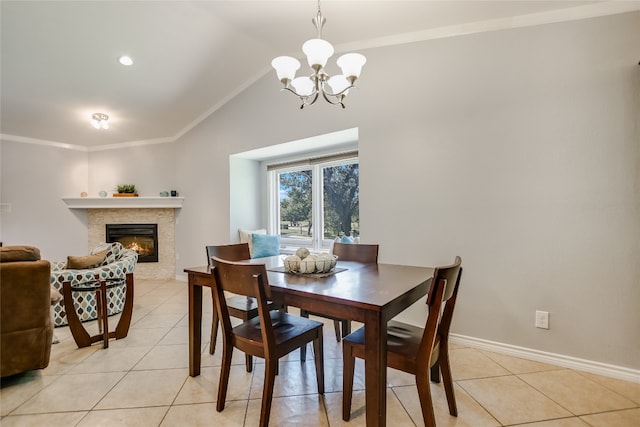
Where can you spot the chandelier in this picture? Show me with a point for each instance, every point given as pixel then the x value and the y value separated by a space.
pixel 100 121
pixel 318 51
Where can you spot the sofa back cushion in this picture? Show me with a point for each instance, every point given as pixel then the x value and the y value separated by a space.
pixel 19 253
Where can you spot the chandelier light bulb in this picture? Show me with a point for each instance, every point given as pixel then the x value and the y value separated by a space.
pixel 351 64
pixel 303 86
pixel 285 67
pixel 339 83
pixel 318 51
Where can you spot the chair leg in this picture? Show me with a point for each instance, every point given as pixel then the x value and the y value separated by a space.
pixel 303 352
pixel 434 373
pixel 318 349
pixel 303 348
pixel 214 327
pixel 267 391
pixel 346 327
pixel 347 379
pixel 336 327
pixel 248 361
pixel 224 376
pixel 447 379
pixel 426 403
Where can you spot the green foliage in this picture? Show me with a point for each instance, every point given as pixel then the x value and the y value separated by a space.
pixel 341 198
pixel 126 188
pixel 296 208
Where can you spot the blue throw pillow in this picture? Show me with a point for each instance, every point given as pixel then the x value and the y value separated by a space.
pixel 265 245
pixel 346 239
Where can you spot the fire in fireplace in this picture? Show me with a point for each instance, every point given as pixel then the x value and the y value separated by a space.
pixel 142 238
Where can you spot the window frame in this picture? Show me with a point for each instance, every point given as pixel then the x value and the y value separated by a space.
pixel 317 242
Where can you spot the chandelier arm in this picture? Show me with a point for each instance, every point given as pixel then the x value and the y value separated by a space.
pixel 342 92
pixel 313 101
pixel 315 92
pixel 338 100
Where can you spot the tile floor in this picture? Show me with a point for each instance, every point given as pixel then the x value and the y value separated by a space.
pixel 143 380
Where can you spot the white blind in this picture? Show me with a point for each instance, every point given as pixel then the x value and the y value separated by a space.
pixel 314 160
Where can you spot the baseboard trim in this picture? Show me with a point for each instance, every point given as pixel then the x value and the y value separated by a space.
pixel 613 371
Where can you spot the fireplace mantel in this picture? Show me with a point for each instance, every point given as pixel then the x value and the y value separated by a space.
pixel 123 202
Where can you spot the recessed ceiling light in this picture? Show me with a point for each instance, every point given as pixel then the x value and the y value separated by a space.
pixel 125 60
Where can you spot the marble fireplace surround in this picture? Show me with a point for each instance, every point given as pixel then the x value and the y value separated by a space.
pixel 109 211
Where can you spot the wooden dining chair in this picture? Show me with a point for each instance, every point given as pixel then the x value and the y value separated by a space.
pixel 413 349
pixel 347 252
pixel 271 335
pixel 241 307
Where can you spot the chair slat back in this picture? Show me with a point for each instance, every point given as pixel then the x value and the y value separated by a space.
pixel 443 293
pixel 240 278
pixel 356 252
pixel 233 252
pixel 243 279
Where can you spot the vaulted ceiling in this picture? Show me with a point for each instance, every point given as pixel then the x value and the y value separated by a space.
pixel 59 58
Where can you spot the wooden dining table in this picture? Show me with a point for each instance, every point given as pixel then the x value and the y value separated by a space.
pixel 364 292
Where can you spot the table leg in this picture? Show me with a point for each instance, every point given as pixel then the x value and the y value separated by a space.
pixel 195 326
pixel 103 318
pixel 122 328
pixel 79 334
pixel 375 364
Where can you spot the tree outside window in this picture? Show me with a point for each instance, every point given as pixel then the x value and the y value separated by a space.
pixel 336 203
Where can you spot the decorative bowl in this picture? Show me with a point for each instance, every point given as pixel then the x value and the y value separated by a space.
pixel 322 263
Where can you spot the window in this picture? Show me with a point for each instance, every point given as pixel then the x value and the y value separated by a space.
pixel 315 201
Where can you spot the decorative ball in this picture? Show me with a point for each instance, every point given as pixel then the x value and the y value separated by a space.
pixel 292 263
pixel 302 253
pixel 323 262
pixel 83 194
pixel 102 193
pixel 308 264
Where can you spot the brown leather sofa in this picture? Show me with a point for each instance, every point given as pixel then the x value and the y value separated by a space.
pixel 26 329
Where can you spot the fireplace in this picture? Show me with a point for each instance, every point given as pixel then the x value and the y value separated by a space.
pixel 142 238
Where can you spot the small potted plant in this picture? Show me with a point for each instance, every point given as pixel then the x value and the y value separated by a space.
pixel 126 190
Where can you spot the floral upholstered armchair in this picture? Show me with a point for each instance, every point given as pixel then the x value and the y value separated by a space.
pixel 106 261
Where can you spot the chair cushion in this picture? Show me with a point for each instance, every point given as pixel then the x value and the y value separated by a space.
pixel 245 236
pixel 265 245
pixel 347 239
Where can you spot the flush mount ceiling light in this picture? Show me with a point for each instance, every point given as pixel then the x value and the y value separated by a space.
pixel 318 51
pixel 125 60
pixel 100 121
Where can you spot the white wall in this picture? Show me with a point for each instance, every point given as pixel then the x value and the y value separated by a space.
pixel 33 181
pixel 151 168
pixel 516 149
pixel 245 190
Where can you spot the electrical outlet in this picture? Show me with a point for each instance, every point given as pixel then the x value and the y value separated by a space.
pixel 542 319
